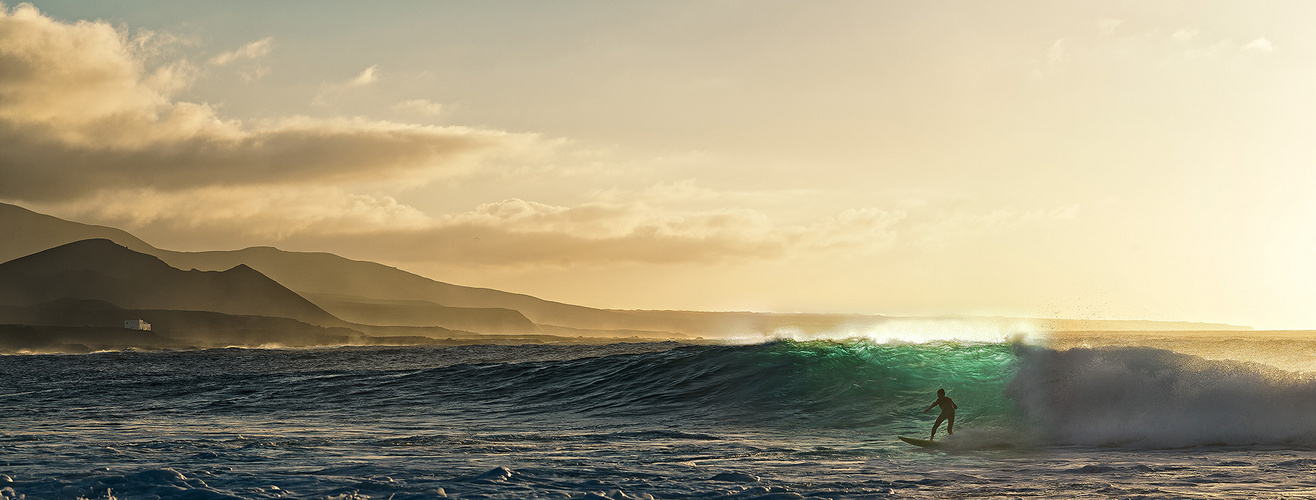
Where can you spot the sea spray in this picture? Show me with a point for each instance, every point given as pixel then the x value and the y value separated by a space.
pixel 914 331
pixel 1154 398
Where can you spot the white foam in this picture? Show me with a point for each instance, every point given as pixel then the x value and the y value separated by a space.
pixel 924 330
pixel 1156 398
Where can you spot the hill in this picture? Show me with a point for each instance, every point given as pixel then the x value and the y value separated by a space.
pixel 353 288
pixel 100 269
pixel 357 284
pixel 373 293
pixel 26 232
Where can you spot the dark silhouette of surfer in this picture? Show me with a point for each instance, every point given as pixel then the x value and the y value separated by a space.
pixel 947 413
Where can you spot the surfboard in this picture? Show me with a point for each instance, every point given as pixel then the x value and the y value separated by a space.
pixel 921 443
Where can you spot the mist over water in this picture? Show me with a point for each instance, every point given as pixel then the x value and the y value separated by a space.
pixel 918 331
pixel 812 418
pixel 1148 397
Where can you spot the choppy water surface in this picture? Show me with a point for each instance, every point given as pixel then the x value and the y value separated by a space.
pixel 776 420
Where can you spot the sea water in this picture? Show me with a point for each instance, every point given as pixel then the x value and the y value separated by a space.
pixel 775 420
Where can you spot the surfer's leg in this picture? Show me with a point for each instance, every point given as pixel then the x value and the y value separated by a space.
pixel 950 424
pixel 940 418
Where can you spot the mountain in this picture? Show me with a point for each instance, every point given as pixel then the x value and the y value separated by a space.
pixel 25 232
pixel 363 283
pixel 100 269
pixel 357 286
pixel 399 301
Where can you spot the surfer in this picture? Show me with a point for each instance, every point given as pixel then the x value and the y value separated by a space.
pixel 947 413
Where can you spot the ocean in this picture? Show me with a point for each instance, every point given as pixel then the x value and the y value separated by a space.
pixel 780 419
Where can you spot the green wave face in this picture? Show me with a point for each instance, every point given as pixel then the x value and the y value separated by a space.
pixel 859 384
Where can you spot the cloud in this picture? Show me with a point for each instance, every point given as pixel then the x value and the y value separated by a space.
pixel 366 77
pixel 511 233
pixel 254 50
pixel 688 192
pixel 1260 45
pixel 80 113
pixel 613 220
pixel 250 54
pixel 518 233
pixel 419 106
pixel 508 233
pixel 331 91
pixel 222 214
pixel 90 129
pixel 940 232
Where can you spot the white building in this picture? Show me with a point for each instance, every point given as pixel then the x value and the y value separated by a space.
pixel 136 324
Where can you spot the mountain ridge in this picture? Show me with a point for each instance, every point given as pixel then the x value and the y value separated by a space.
pixel 363 285
pixel 100 269
pixel 28 232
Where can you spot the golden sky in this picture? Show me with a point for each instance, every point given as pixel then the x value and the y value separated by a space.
pixel 1105 160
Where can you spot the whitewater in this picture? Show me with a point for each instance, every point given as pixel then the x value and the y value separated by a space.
pixel 773 420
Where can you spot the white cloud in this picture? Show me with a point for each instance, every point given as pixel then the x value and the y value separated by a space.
pixel 248 58
pixel 613 220
pixel 366 77
pixel 688 191
pixel 330 91
pixel 509 233
pixel 224 212
pixel 1260 45
pixel 516 233
pixel 254 50
pixel 420 106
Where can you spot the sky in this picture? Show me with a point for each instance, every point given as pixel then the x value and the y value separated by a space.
pixel 1091 160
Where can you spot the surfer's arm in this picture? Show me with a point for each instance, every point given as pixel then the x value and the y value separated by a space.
pixel 925 410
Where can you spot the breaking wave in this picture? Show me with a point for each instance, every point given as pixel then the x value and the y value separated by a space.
pixel 1021 394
